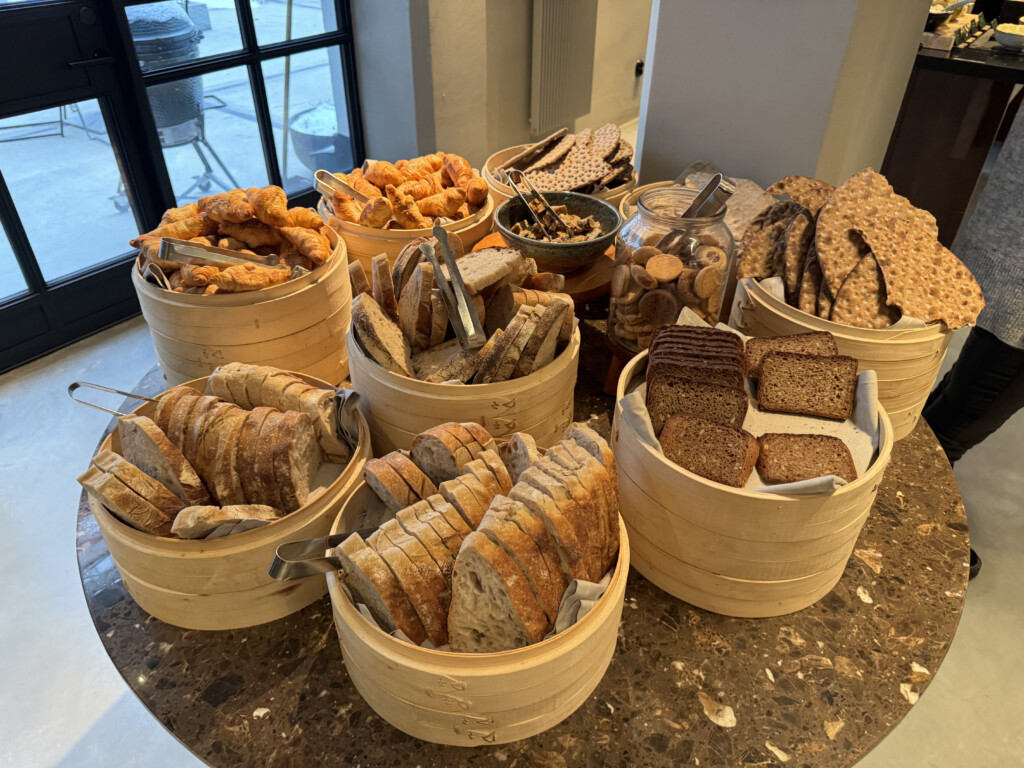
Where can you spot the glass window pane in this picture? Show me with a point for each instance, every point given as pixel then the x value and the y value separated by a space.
pixel 208 132
pixel 173 31
pixel 67 187
pixel 314 110
pixel 278 20
pixel 11 279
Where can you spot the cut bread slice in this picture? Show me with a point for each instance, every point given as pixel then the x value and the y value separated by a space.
pixel 594 473
pixel 488 267
pixel 588 533
pixel 434 543
pixel 713 451
pixel 389 486
pixel 465 366
pixel 489 365
pixel 162 416
pixel 494 463
pixel 200 522
pixel 460 497
pixel 255 377
pixel 247 451
pixel 274 387
pixel 585 512
pixel 372 583
pixel 126 505
pixel 192 435
pixel 420 485
pixel 431 361
pixel 669 394
pixel 236 375
pixel 589 474
pixel 506 366
pixel 380 336
pixel 297 458
pixel 808 384
pixel 543 342
pixel 423 599
pixel 415 311
pixel 439 454
pixel 147 447
pixel 785 458
pixel 533 526
pixel 178 418
pixel 438 319
pixel 817 343
pixel 153 491
pixel 293 394
pixel 357 275
pixel 519 453
pixel 588 439
pixel 453 518
pixel 481 435
pixel 464 436
pixel 383 286
pixel 270 431
pixel 493 608
pixel 218 382
pixel 428 569
pixel 225 481
pixel 320 406
pixel 405 263
pixel 483 496
pixel 558 527
pixel 484 476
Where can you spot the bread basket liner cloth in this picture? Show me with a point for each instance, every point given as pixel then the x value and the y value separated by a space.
pixel 861 432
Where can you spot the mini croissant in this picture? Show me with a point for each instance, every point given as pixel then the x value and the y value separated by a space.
pixel 304 217
pixel 194 275
pixel 248 277
pixel 459 172
pixel 311 244
pixel 228 206
pixel 356 180
pixel 376 213
pixel 405 211
pixel 421 167
pixel 177 214
pixel 445 203
pixel 346 207
pixel 383 173
pixel 270 205
pixel 425 187
pixel 253 233
pixel 182 229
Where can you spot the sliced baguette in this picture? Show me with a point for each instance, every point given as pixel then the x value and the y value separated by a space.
pixel 464 436
pixel 533 526
pixel 436 544
pixel 255 377
pixel 178 419
pixel 481 435
pixel 482 474
pixel 453 518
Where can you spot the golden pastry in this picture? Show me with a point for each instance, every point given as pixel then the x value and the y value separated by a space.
pixel 194 275
pixel 376 213
pixel 346 207
pixel 270 205
pixel 425 187
pixel 248 277
pixel 253 233
pixel 177 214
pixel 382 173
pixel 310 243
pixel 356 181
pixel 421 167
pixel 444 203
pixel 228 206
pixel 304 217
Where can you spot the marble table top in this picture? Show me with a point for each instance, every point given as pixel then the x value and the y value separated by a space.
pixel 816 688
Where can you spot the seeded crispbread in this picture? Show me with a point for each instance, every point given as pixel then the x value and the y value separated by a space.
pixel 759 248
pixel 534 149
pixel 810 193
pixel 810 282
pixel 623 153
pixel 556 153
pixel 861 300
pixel 793 250
pixel 824 303
pixel 606 141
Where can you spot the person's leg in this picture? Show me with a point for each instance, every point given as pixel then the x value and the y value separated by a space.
pixel 984 388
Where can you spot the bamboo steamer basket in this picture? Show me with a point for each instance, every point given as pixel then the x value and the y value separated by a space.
pixel 299 325
pixel 469 699
pixel 502 192
pixel 223 583
pixel 728 550
pixel 398 408
pixel 366 242
pixel 906 361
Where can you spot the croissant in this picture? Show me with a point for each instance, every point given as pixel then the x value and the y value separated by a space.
pixel 230 243
pixel 252 233
pixel 149 247
pixel 270 205
pixel 428 185
pixel 346 207
pixel 376 213
pixel 311 244
pixel 444 203
pixel 476 191
pixel 290 257
pixel 462 213
pixel 383 173
pixel 178 287
pixel 193 275
pixel 228 206
pixel 177 214
pixel 458 170
pixel 248 277
pixel 421 167
pixel 182 229
pixel 304 217
pixel 404 210
pixel 356 180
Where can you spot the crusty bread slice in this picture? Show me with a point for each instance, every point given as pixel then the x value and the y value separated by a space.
pixel 464 436
pixel 480 492
pixel 585 512
pixel 438 319
pixel 422 598
pixel 786 458
pixel 533 526
pixel 592 472
pixel 487 267
pixel 274 387
pixel 439 454
pixel 139 482
pixel 383 287
pixel 588 439
pixel 691 333
pixel 585 471
pixel 502 307
pixel 540 349
pixel 200 522
pixel 559 528
pixel 320 406
pixel 501 530
pixel 267 490
pixel 588 534
pixel 124 503
pixel 147 447
pixel 434 543
pixel 430 361
pixel 178 418
pixel 357 275
pixel 220 417
pixel 247 451
pixel 459 367
pixel 405 263
pixel 196 428
pixel 237 374
pixel 808 384
pixel 464 501
pixel 428 569
pixel 255 376
pixel 372 583
pixel 493 608
pixel 415 313
pixel 481 435
pixel 293 394
pixel 482 474
pixel 420 485
pixel 389 486
pixel 490 364
pixel 492 459
pixel 816 343
pixel 508 363
pixel 519 453
pixel 452 517
pixel 218 382
pixel 297 458
pixel 714 451
pixel 380 336
pixel 225 482
pixel 162 416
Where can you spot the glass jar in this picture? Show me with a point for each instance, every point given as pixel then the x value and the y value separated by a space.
pixel 664 263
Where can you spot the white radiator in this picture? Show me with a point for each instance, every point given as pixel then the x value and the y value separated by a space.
pixel 563 62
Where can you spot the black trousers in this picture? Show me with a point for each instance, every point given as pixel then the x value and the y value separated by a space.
pixel 983 389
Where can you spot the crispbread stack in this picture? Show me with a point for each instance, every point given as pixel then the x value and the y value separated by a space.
pixel 481 563
pixel 527 327
pixel 859 255
pixel 698 372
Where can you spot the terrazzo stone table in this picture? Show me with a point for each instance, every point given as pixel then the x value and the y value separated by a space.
pixel 816 688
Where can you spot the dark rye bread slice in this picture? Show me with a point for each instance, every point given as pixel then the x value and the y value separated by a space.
pixel 689 332
pixel 723 373
pixel 670 394
pixel 713 451
pixel 373 584
pixel 808 384
pixel 788 458
pixel 816 343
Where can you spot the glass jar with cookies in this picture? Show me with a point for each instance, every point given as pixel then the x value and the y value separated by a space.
pixel 663 263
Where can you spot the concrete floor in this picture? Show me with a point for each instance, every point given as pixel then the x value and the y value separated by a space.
pixel 63 703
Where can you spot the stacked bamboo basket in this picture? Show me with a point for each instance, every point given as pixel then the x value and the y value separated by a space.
pixel 398 408
pixel 366 242
pixel 907 361
pixel 475 699
pixel 223 583
pixel 501 192
pixel 731 551
pixel 299 325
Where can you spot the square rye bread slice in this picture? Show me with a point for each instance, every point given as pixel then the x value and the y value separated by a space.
pixel 788 458
pixel 808 384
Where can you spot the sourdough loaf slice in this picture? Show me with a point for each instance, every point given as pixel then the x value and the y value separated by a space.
pixel 816 343
pixel 713 451
pixel 225 480
pixel 218 382
pixel 480 472
pixel 494 463
pixel 669 394
pixel 196 428
pixel 255 377
pixel 786 458
pixel 481 435
pixel 267 490
pixel 490 364
pixel 319 405
pixel 389 486
pixel 124 503
pixel 422 560
pixel 372 583
pixel 247 451
pixel 380 336
pixel 559 529
pixel 464 436
pixel 297 458
pixel 415 313
pixel 808 384
pixel 383 287
pixel 274 387
pixel 543 342
pixel 488 267
pixel 460 497
pixel 357 275
pixel 147 447
pixel 434 543
pixel 139 482
pixel 588 439
pixel 178 418
pixel 438 319
pixel 483 495
pixel 493 608
pixel 200 522
pixel 162 416
pixel 451 516
pixel 506 366
pixel 439 454
pixel 519 453
pixel 423 599
pixel 433 360
pixel 595 478
pixel 293 394
pixel 587 514
pixel 517 512
pixel 418 482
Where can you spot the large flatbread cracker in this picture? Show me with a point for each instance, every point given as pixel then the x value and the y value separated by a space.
pixel 793 250
pixel 812 194
pixel 810 283
pixel 606 141
pixel 824 303
pixel 533 150
pixel 759 249
pixel 923 277
pixel 560 150
pixel 861 298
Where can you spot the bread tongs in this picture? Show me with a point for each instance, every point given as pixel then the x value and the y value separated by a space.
pixel 464 318
pixel 187 252
pixel 301 559
pixel 327 184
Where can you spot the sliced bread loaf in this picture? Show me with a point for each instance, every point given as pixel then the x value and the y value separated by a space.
pixel 418 482
pixel 808 384
pixel 389 486
pixel 714 451
pixel 357 275
pixel 380 336
pixel 785 458
pixel 147 447
pixel 162 416
pixel 124 503
pixel 297 458
pixel 533 526
pixel 138 481
pixel 519 453
pixel 543 342
pixel 817 343
pixel 481 435
pixel 383 287
pixel 558 527
pixel 433 360
pixel 464 501
pixel 439 454
pixel 433 542
pixel 200 522
pixel 415 313
pixel 421 559
pixel 669 394
pixel 494 463
pixel 247 451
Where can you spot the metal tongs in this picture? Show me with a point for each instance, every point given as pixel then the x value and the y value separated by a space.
pixel 187 252
pixel 703 199
pixel 327 184
pixel 464 318
pixel 543 201
pixel 301 559
pixel 77 385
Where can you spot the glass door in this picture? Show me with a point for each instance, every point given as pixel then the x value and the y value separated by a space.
pixel 133 107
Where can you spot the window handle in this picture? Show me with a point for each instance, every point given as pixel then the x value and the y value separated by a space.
pixel 91 62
